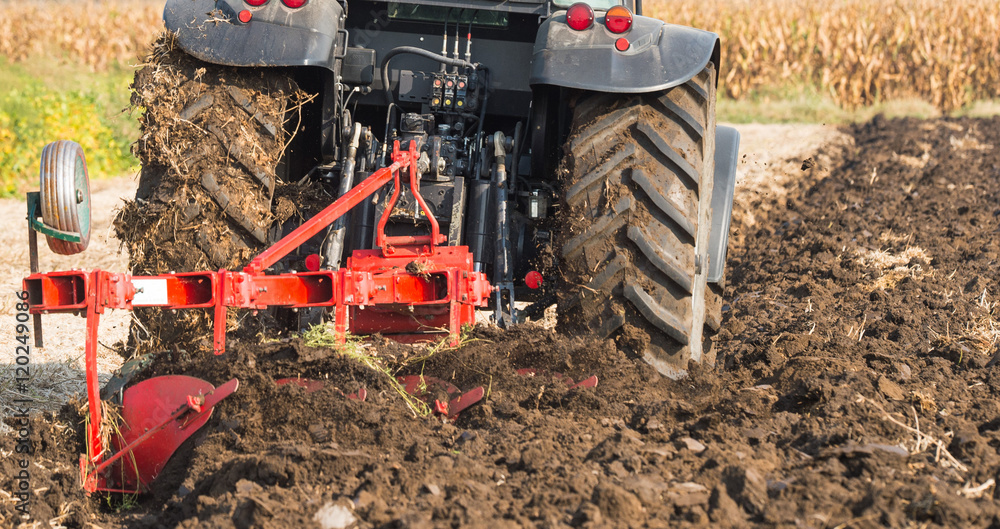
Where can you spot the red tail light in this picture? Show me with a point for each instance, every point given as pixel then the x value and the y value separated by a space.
pixel 618 19
pixel 534 279
pixel 580 16
pixel 294 4
pixel 256 3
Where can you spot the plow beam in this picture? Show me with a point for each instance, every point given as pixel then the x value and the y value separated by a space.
pixel 410 289
pixel 443 281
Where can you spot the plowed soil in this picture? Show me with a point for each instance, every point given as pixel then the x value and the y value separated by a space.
pixel 856 387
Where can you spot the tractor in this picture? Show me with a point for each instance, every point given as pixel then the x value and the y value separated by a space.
pixel 400 167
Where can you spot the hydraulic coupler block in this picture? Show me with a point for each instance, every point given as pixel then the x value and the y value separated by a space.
pixel 452 92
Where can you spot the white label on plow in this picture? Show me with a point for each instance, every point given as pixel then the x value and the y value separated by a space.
pixel 150 292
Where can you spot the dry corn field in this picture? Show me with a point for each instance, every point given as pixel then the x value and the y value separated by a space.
pixel 95 33
pixel 860 52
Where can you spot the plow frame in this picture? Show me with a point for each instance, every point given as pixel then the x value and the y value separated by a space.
pixel 439 298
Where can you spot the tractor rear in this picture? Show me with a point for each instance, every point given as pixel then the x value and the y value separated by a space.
pixel 449 157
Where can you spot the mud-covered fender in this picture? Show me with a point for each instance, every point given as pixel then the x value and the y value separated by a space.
pixel 275 36
pixel 727 149
pixel 659 56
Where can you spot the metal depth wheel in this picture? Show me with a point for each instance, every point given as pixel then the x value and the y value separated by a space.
pixel 65 195
pixel 638 173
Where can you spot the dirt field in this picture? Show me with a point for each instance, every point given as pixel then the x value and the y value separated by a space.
pixel 58 366
pixel 854 389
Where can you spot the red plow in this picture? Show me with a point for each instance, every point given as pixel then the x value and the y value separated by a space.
pixel 411 288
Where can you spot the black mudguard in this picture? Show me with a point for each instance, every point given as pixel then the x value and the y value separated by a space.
pixel 660 55
pixel 727 150
pixel 275 36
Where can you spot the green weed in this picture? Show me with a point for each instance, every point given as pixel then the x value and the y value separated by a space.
pixel 355 349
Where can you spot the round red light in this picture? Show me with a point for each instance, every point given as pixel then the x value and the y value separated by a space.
pixel 618 19
pixel 621 44
pixel 294 4
pixel 580 16
pixel 245 16
pixel 313 262
pixel 533 280
pixel 256 3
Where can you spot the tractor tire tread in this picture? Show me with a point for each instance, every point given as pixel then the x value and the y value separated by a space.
pixel 638 173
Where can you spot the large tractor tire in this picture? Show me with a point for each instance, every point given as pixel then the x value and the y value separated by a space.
pixel 638 174
pixel 211 139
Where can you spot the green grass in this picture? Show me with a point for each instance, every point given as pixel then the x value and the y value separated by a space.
pixel 805 105
pixel 45 100
pixel 353 348
pixel 981 109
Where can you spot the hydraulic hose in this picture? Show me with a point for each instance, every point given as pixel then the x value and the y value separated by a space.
pixel 333 245
pixel 412 50
pixel 482 116
pixel 384 67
